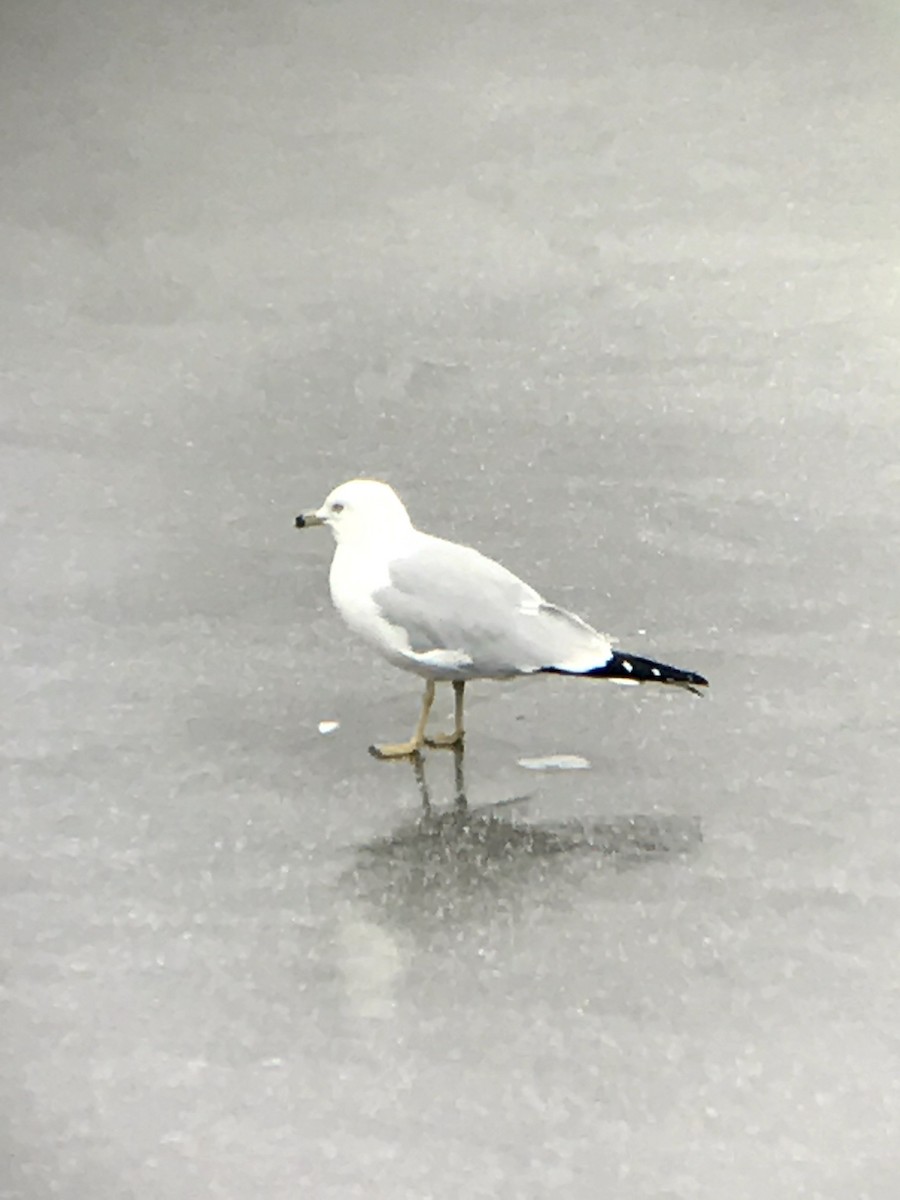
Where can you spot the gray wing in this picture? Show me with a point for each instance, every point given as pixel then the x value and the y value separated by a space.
pixel 450 598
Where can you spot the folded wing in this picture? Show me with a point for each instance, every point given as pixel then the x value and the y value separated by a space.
pixel 452 603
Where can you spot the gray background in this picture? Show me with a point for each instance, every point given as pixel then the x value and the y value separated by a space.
pixel 608 290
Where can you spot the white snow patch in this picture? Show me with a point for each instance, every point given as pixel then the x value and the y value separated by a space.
pixel 555 762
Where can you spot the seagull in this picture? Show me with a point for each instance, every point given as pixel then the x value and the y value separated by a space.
pixel 447 613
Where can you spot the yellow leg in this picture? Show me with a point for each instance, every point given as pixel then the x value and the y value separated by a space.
pixel 455 738
pixel 417 741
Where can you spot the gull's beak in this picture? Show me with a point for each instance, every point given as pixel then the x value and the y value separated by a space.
pixel 306 519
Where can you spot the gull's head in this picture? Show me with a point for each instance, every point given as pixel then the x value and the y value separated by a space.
pixel 362 510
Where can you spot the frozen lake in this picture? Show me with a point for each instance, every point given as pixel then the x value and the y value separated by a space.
pixel 609 292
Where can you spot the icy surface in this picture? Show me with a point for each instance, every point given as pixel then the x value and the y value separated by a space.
pixel 633 265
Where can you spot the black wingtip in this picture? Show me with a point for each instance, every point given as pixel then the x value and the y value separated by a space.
pixel 635 669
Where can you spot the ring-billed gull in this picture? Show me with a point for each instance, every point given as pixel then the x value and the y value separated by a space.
pixel 446 612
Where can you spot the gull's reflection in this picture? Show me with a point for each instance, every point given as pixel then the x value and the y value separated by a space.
pixel 454 860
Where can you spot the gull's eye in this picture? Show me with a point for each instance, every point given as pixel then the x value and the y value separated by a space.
pixel 337 508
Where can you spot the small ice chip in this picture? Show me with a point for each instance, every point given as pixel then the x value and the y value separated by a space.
pixel 555 762
pixel 328 726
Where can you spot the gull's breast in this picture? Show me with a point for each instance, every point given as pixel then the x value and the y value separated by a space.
pixel 354 580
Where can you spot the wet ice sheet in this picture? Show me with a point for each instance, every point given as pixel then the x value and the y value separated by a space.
pixel 238 991
pixel 634 268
